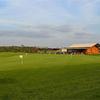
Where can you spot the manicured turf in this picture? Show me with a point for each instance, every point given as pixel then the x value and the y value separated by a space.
pixel 49 77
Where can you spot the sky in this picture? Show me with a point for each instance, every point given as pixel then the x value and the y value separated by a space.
pixel 49 23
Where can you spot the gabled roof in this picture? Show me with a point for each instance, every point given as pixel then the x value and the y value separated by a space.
pixel 87 45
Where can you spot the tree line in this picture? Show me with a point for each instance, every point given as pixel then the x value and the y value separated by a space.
pixel 27 49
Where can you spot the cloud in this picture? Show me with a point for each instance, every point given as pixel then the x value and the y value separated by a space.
pixel 37 11
pixel 49 33
pixel 50 22
pixel 24 34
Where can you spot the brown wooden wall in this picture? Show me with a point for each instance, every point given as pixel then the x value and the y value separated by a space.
pixel 92 50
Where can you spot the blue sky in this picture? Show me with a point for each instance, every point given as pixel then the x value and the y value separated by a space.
pixel 49 23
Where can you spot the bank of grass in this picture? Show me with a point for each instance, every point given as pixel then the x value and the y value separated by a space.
pixel 49 77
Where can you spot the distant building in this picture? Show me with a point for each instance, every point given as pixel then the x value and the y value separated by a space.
pixel 64 50
pixel 90 48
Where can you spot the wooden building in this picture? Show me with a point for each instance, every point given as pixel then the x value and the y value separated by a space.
pixel 92 48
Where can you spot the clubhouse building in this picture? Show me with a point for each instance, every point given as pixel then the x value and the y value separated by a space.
pixel 90 48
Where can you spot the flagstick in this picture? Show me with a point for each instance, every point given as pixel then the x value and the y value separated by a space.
pixel 21 58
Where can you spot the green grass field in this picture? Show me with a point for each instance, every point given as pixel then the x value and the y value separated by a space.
pixel 49 77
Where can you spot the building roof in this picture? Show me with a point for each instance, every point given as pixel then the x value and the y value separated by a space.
pixel 87 45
